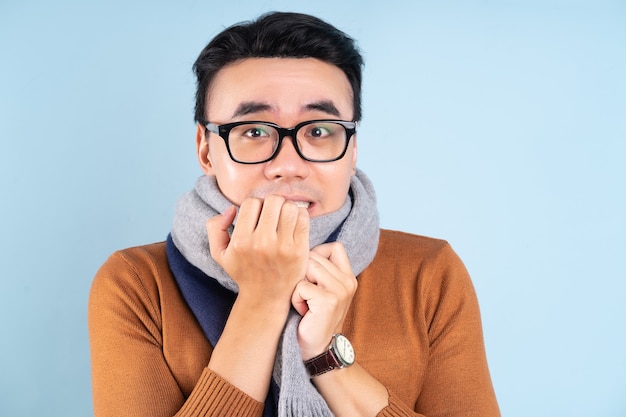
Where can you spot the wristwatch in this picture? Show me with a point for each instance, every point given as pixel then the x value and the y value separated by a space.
pixel 340 354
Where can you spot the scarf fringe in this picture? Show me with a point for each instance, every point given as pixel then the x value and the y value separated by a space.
pixel 298 407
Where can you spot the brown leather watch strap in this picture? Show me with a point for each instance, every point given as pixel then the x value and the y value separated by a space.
pixel 322 363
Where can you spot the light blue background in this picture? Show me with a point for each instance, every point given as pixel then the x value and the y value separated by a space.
pixel 497 125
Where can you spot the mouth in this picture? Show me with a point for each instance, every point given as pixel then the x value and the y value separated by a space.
pixel 303 204
pixel 306 200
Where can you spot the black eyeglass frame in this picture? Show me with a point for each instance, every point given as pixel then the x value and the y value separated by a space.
pixel 223 131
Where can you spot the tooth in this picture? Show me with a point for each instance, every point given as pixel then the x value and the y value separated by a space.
pixel 302 204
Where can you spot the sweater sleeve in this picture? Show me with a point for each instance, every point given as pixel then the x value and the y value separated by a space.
pixel 130 373
pixel 456 381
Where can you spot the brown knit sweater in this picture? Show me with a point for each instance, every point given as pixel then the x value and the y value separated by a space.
pixel 414 323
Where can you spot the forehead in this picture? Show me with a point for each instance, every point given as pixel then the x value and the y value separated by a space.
pixel 283 85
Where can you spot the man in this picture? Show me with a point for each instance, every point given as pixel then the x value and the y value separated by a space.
pixel 276 292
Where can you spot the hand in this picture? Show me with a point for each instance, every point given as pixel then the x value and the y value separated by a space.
pixel 269 248
pixel 323 297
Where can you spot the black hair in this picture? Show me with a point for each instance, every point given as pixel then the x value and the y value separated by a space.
pixel 279 35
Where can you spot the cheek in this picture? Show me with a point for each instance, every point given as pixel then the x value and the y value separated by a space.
pixel 336 185
pixel 235 181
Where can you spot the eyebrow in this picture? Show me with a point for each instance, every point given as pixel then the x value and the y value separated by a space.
pixel 248 107
pixel 325 106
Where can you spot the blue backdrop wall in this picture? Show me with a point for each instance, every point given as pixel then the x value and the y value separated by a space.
pixel 497 125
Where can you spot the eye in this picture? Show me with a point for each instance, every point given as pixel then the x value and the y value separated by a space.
pixel 320 131
pixel 256 132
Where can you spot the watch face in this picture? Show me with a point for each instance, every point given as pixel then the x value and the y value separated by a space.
pixel 344 350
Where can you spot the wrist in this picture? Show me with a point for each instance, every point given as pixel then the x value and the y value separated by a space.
pixel 312 352
pixel 339 354
pixel 263 306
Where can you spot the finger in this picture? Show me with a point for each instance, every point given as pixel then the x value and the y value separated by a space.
pixel 320 271
pixel 288 220
pixel 326 274
pixel 303 226
pixel 298 300
pixel 335 253
pixel 270 214
pixel 307 294
pixel 217 230
pixel 295 223
pixel 323 313
pixel 248 217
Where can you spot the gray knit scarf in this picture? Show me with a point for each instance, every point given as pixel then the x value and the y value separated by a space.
pixel 359 233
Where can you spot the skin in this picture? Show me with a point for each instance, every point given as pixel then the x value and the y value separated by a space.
pixel 268 253
pixel 286 92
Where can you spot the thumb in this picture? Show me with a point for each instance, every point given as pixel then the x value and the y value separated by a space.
pixel 217 231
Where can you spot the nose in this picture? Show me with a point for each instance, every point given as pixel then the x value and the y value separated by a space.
pixel 287 163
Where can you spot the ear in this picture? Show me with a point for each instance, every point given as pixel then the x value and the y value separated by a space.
pixel 202 149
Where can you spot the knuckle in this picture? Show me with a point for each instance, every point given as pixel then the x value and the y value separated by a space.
pixel 337 246
pixel 241 246
pixel 333 302
pixel 353 285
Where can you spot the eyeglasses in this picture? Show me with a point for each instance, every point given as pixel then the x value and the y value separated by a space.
pixel 251 142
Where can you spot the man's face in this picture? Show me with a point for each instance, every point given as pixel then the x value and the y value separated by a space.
pixel 285 91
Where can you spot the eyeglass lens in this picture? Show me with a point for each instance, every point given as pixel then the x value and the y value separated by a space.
pixel 319 141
